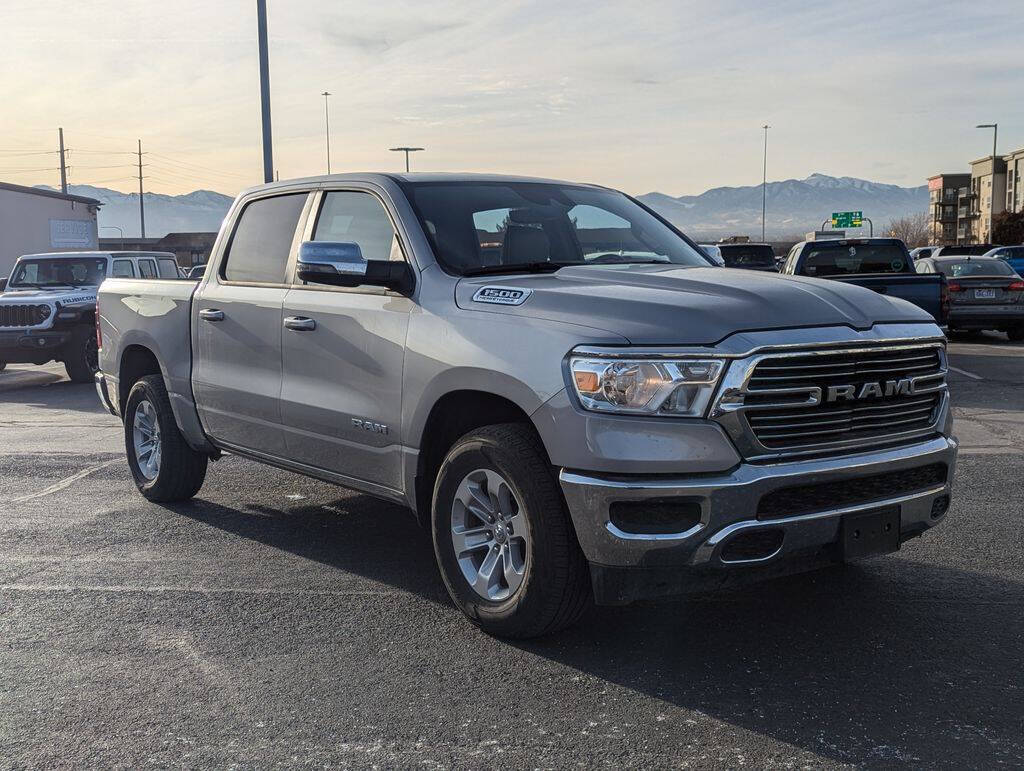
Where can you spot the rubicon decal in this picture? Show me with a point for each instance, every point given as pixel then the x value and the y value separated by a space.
pixel 501 295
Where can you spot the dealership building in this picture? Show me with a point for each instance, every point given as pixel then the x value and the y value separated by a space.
pixel 36 220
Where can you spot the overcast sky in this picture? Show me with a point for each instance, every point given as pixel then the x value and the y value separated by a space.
pixel 652 95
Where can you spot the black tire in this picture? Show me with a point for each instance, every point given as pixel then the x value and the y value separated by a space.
pixel 82 357
pixel 3 366
pixel 555 588
pixel 1016 334
pixel 181 469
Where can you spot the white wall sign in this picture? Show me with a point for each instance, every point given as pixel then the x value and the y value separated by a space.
pixel 70 233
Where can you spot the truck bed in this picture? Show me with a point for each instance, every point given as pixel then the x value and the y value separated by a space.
pixel 922 289
pixel 154 313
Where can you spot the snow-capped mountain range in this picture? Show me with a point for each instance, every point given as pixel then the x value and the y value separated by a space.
pixel 201 210
pixel 794 207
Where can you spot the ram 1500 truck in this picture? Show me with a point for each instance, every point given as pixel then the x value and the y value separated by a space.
pixel 47 305
pixel 881 264
pixel 557 383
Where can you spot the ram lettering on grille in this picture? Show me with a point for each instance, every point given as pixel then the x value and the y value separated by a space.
pixel 795 402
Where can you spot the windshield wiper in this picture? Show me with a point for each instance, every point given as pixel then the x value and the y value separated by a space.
pixel 519 267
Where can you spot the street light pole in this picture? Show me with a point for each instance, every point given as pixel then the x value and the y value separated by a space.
pixel 405 150
pixel 261 32
pixel 119 230
pixel 992 200
pixel 764 180
pixel 327 129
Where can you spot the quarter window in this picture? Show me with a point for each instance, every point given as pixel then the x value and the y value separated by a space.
pixel 263 238
pixel 360 219
pixel 168 268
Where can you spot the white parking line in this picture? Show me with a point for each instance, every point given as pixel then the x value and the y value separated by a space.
pixel 65 483
pixel 965 372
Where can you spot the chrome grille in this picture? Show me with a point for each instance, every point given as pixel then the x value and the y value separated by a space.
pixel 23 315
pixel 836 398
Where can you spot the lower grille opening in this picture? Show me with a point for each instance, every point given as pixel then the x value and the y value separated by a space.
pixel 659 516
pixel 755 545
pixel 804 499
pixel 939 506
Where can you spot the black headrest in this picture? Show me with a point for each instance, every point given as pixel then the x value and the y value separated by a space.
pixel 525 244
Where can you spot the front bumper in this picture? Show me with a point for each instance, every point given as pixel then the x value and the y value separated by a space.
pixel 647 564
pixel 29 346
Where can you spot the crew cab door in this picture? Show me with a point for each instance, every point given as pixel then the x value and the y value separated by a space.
pixel 343 352
pixel 236 322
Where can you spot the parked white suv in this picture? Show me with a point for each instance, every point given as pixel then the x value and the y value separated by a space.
pixel 47 309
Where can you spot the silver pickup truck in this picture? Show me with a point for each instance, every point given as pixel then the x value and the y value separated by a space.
pixel 557 383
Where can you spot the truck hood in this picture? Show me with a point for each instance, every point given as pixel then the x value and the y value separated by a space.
pixel 63 296
pixel 674 305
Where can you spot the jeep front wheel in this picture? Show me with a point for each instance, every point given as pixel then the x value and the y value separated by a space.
pixel 82 358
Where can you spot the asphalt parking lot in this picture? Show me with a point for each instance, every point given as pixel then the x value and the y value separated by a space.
pixel 276 620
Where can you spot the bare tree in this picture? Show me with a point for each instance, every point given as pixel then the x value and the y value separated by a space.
pixel 914 230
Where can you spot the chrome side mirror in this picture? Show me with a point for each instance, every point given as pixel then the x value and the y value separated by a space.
pixel 338 263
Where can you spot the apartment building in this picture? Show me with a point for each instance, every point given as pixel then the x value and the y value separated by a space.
pixel 1015 180
pixel 943 198
pixel 987 196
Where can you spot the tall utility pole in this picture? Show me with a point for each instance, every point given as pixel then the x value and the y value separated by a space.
pixel 406 150
pixel 764 180
pixel 142 207
pixel 63 165
pixel 327 129
pixel 992 200
pixel 261 32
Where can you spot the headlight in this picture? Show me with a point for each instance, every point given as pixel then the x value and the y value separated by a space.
pixel 679 387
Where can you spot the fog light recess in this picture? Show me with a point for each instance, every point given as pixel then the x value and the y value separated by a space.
pixel 660 516
pixel 752 545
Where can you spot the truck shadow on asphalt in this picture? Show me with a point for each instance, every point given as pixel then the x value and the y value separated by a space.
pixel 887 661
pixel 356 534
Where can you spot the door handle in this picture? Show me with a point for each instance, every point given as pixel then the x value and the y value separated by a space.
pixel 299 323
pixel 211 314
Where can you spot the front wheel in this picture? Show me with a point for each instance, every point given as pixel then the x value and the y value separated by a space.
pixel 82 360
pixel 1016 334
pixel 163 466
pixel 503 538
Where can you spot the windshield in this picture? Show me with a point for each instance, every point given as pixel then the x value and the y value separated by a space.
pixel 968 268
pixel 60 271
pixel 485 227
pixel 838 259
pixel 748 255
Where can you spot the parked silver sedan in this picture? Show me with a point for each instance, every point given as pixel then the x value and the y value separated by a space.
pixel 984 293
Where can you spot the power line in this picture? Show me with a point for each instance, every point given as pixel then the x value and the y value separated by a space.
pixel 198 166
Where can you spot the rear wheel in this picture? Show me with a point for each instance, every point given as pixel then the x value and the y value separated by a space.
pixel 3 366
pixel 163 466
pixel 503 538
pixel 82 359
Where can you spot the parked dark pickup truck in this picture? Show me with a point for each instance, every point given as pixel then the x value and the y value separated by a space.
pixel 881 264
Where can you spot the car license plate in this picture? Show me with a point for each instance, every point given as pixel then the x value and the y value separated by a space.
pixel 871 532
pixel 984 294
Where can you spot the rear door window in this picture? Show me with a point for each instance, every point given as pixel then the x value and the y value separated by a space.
pixel 263 238
pixel 147 268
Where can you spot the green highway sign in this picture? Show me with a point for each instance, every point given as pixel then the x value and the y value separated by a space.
pixel 847 219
